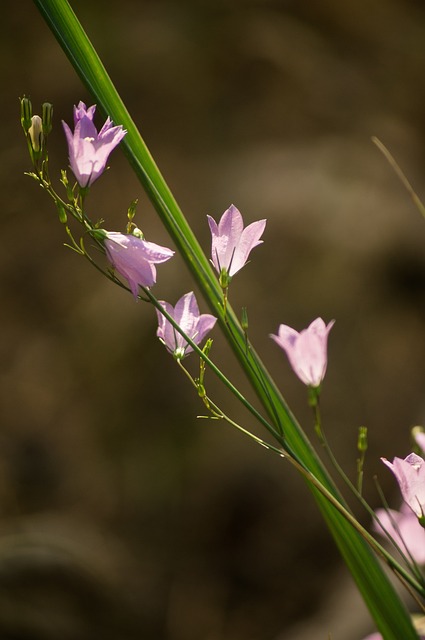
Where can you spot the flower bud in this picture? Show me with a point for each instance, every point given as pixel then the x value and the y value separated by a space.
pixel 362 440
pixel 26 114
pixel 138 233
pixel 418 435
pixel 132 210
pixel 207 347
pixel 61 212
pixel 35 133
pixel 47 117
pixel 244 320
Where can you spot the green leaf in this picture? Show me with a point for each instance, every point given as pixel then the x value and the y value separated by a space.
pixel 386 608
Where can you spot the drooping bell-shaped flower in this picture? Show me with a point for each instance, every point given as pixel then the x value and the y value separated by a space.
pixel 231 244
pixel 306 350
pixel 404 528
pixel 89 150
pixel 187 316
pixel 134 258
pixel 410 475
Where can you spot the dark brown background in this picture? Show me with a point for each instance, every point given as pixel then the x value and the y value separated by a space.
pixel 122 516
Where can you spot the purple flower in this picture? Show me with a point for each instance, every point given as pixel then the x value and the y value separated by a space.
pixel 231 243
pixel 307 350
pixel 89 150
pixel 403 526
pixel 135 258
pixel 187 316
pixel 410 475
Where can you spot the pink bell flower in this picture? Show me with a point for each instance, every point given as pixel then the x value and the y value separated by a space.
pixel 307 350
pixel 404 528
pixel 134 258
pixel 231 244
pixel 187 316
pixel 410 475
pixel 89 150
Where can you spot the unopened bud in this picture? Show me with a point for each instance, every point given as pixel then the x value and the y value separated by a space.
pixel 244 320
pixel 35 133
pixel 47 117
pixel 62 213
pixel 138 233
pixel 362 440
pixel 26 114
pixel 132 210
pixel 418 435
pixel 207 347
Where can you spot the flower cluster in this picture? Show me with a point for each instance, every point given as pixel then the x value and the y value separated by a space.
pixel 135 259
pixel 182 328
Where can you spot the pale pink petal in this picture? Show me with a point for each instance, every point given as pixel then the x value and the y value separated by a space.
pixel 405 530
pixel 156 253
pixel 205 323
pixel 249 239
pixel 231 223
pixel 186 313
pixel 166 332
pixel 410 475
pixel 214 237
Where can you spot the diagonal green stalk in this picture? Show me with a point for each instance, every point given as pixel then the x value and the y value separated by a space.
pixel 386 608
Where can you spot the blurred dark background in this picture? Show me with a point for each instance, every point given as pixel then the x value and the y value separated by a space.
pixel 122 515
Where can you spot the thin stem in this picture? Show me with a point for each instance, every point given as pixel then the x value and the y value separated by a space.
pixel 401 175
pixel 216 370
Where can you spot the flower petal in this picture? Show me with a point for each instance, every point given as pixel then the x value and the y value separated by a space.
pixel 249 239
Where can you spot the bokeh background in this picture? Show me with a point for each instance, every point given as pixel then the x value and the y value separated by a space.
pixel 122 516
